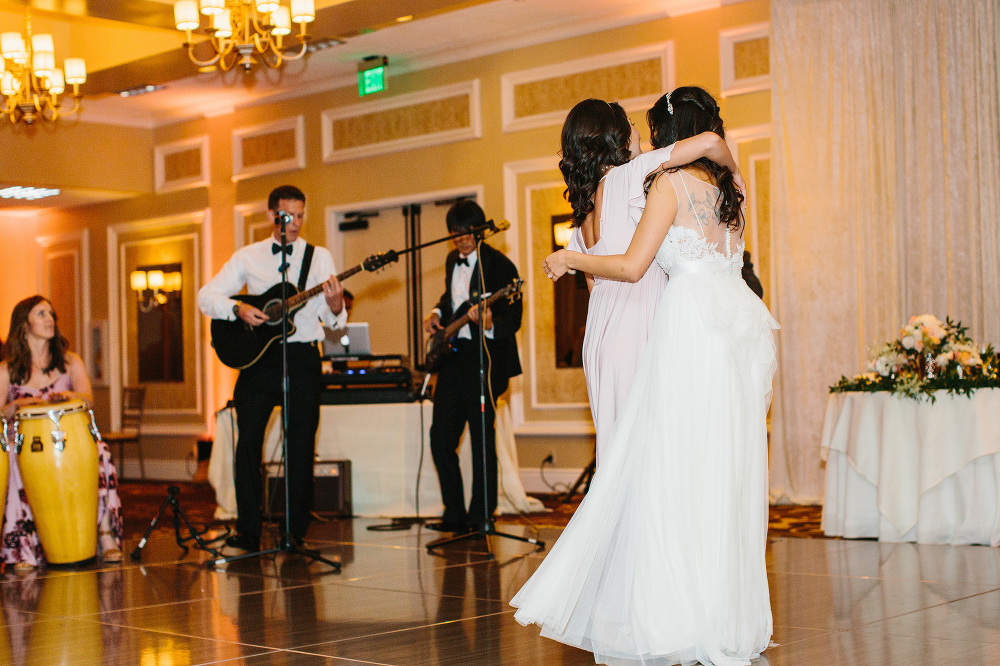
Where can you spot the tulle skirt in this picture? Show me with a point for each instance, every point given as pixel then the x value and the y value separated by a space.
pixel 663 562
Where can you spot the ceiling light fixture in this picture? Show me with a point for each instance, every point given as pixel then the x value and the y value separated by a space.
pixel 323 44
pixel 243 31
pixel 28 193
pixel 141 90
pixel 30 81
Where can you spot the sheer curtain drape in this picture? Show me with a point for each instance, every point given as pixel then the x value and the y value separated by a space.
pixel 885 192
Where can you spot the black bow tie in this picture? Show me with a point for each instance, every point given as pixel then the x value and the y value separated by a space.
pixel 275 248
pixel 462 261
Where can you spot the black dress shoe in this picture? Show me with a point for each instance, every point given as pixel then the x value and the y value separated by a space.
pixel 243 541
pixel 447 526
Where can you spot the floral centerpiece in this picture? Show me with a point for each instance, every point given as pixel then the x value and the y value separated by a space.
pixel 929 356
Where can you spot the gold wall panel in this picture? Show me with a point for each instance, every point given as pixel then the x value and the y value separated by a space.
pixel 182 164
pixel 554 385
pixel 63 285
pixel 266 148
pixel 440 115
pixel 751 57
pixel 259 227
pixel 170 249
pixel 764 261
pixel 633 79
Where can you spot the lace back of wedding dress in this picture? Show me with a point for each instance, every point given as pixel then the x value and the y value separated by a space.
pixel 696 233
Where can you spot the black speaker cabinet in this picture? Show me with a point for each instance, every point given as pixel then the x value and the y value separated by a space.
pixel 331 488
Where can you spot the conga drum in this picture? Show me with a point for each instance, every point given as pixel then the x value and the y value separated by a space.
pixel 57 456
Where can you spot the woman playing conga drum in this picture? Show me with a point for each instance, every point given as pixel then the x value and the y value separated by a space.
pixel 37 369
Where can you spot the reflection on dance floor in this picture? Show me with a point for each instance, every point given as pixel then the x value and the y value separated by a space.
pixel 834 602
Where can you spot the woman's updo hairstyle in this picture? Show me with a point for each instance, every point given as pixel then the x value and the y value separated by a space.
pixel 684 113
pixel 595 136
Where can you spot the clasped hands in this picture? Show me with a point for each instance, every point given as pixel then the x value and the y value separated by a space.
pixel 555 265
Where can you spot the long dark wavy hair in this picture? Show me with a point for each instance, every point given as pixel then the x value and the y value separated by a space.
pixel 684 113
pixel 595 136
pixel 16 351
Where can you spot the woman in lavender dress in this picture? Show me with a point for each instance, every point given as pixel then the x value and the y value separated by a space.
pixel 37 368
pixel 604 171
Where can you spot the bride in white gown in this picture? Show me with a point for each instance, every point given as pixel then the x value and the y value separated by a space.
pixel 663 562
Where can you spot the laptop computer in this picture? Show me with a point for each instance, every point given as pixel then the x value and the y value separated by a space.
pixel 353 340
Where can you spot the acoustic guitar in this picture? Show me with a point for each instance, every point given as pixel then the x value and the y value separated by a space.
pixel 442 343
pixel 239 345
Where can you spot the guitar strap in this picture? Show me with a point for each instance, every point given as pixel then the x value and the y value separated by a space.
pixel 307 259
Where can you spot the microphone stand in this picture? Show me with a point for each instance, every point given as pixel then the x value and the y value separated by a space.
pixel 486 527
pixel 286 545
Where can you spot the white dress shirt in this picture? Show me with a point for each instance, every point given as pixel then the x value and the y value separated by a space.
pixel 256 266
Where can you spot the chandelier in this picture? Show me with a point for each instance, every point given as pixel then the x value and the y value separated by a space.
pixel 30 81
pixel 243 29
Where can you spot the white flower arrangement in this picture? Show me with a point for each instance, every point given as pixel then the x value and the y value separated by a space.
pixel 928 356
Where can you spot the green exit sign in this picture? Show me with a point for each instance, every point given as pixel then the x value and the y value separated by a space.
pixel 371 81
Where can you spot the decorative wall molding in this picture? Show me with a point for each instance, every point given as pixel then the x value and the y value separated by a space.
pixel 729 40
pixel 513 194
pixel 241 233
pixel 509 83
pixel 79 248
pixel 754 188
pixel 186 154
pixel 511 171
pixel 288 134
pixel 421 103
pixel 734 137
pixel 530 227
pixel 118 291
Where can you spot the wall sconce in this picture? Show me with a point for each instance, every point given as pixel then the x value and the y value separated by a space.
pixel 562 232
pixel 158 282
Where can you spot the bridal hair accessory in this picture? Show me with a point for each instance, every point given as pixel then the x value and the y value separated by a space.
pixel 670 107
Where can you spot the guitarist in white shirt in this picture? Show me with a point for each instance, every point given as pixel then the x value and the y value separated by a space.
pixel 456 393
pixel 258 388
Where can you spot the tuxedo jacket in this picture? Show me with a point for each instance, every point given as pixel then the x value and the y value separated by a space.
pixel 498 272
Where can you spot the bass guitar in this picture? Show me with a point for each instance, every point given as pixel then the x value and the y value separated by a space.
pixel 442 343
pixel 239 345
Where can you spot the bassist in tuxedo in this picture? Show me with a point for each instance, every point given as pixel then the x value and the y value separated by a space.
pixel 258 387
pixel 456 394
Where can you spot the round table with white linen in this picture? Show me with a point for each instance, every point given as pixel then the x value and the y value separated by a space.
pixel 899 469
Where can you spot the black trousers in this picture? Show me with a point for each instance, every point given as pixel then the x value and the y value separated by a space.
pixel 456 402
pixel 257 392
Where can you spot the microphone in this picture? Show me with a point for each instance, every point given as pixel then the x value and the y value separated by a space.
pixel 282 216
pixel 493 228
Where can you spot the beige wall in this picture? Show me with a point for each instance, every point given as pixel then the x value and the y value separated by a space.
pixel 121 159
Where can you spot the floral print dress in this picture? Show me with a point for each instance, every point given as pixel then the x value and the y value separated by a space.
pixel 20 542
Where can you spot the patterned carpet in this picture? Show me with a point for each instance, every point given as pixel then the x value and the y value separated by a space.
pixel 141 500
pixel 784 520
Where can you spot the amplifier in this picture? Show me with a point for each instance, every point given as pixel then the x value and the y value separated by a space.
pixel 362 395
pixel 331 488
pixel 384 377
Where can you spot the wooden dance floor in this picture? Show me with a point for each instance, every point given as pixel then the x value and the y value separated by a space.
pixel 834 601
